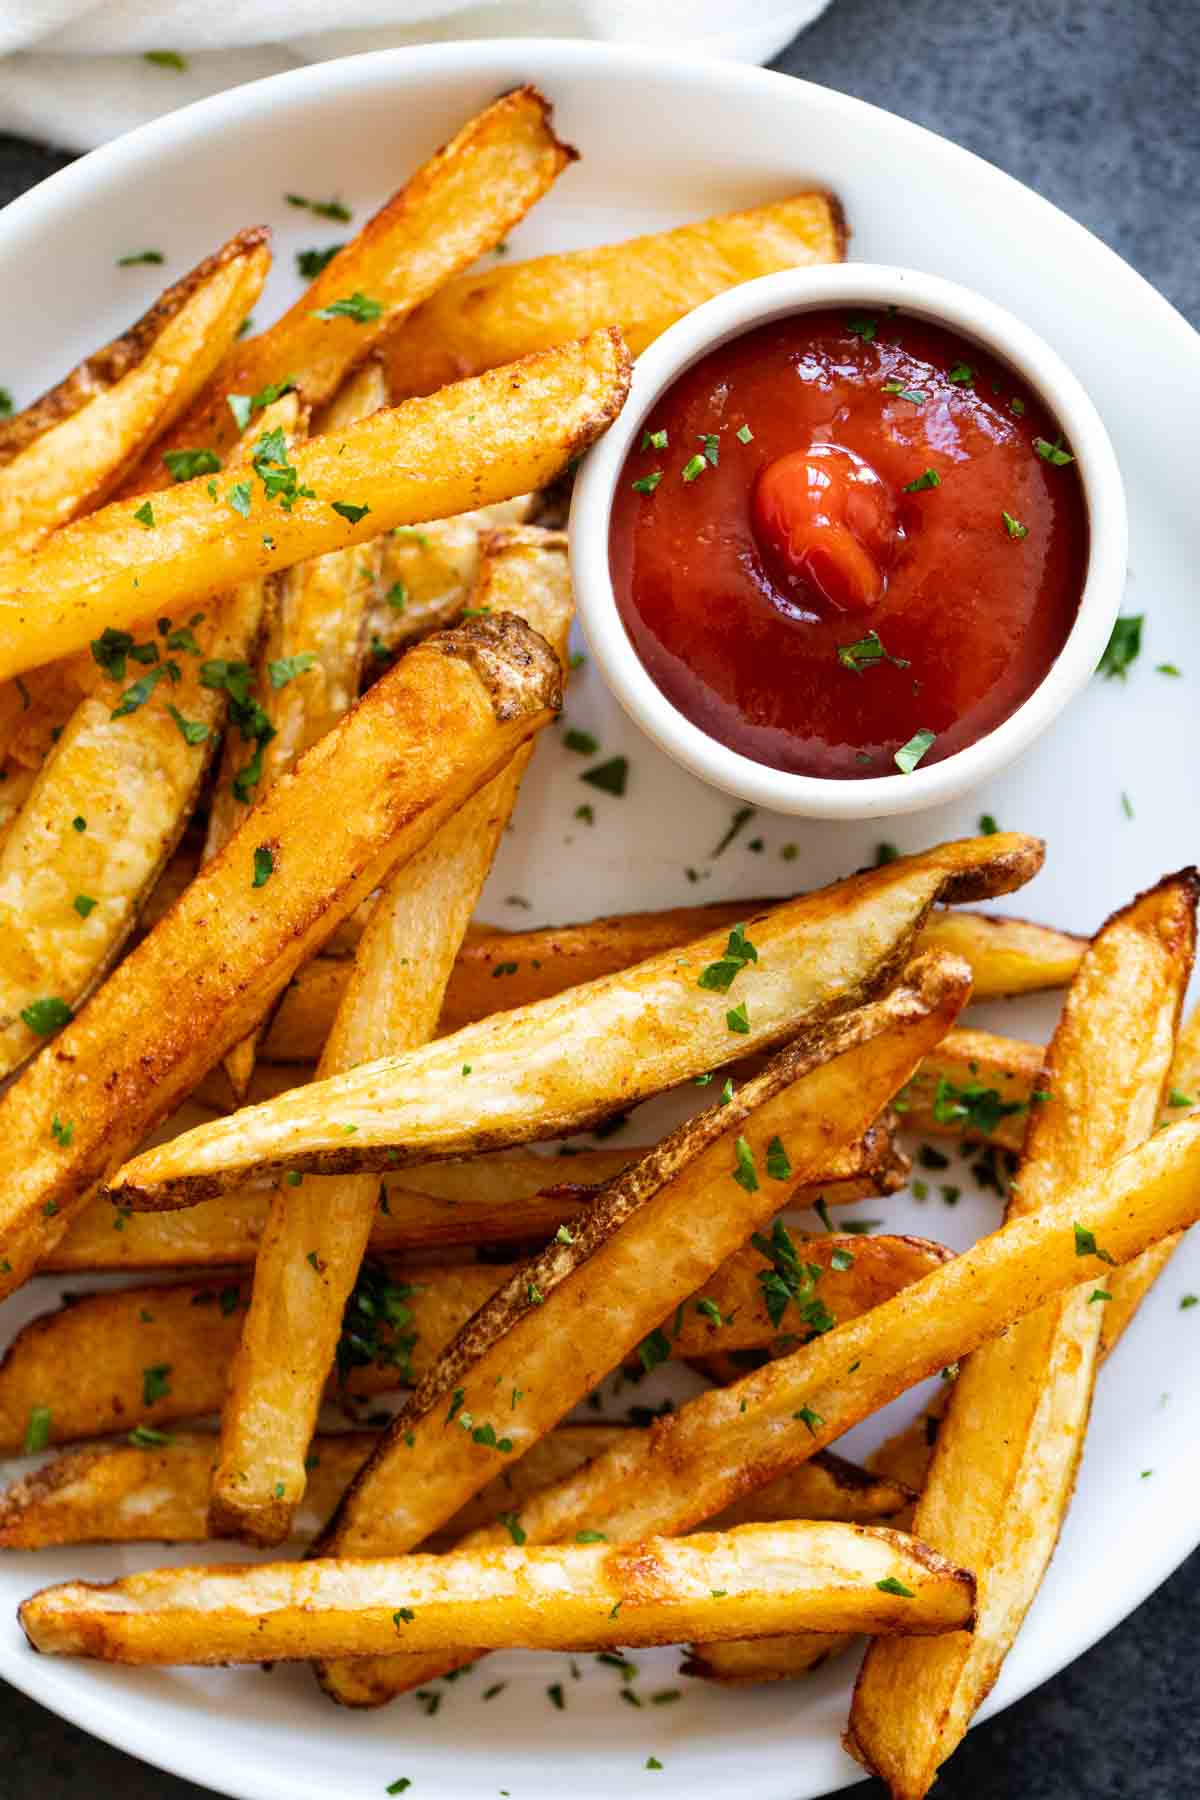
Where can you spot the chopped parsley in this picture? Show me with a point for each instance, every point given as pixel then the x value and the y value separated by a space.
pixel 653 440
pixel 1086 1245
pixel 111 648
pixel 929 478
pixel 323 209
pixel 582 742
pixel 1123 648
pixel 901 392
pixel 356 306
pixel 309 263
pixel 961 375
pixel 145 1437
pixel 1098 1294
pixel 192 731
pixel 739 952
pixel 46 1015
pixel 165 59
pixel 1176 1099
pixel 610 777
pixel 264 865
pixel 744 1171
pixel 374 1326
pixel 6 403
pixel 37 1429
pixel 975 1107
pixel 140 256
pixel 711 447
pixel 239 497
pixel 156 1383
pixel 886 853
pixel 987 825
pixel 840 1260
pixel 744 435
pixel 403 1615
pixel 286 668
pixel 1014 527
pixel 890 1585
pixel 708 1309
pixel 1054 454
pixel 738 1019
pixel 779 1165
pixel 84 904
pixel 646 484
pixel 863 327
pixel 185 465
pixel 61 1132
pixel 512 1525
pixel 814 1420
pixel 347 510
pixel 910 754
pixel 137 694
pixel 741 818
pixel 789 1281
pixel 555 1695
pixel 397 596
pixel 865 653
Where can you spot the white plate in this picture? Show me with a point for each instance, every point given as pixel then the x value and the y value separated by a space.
pixel 664 140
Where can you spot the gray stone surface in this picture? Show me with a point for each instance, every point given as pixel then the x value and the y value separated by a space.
pixel 1093 104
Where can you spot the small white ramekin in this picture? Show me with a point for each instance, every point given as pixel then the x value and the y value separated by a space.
pixel 762 302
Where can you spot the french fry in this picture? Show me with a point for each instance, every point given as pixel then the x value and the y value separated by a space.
pixel 644 1245
pixel 508 1198
pixel 128 767
pixel 316 1234
pixel 594 1050
pixel 977 1086
pixel 307 668
pixel 458 204
pixel 64 454
pixel 1007 956
pixel 15 784
pixel 435 728
pixel 756 1580
pixel 157 1492
pixel 743 1662
pixel 82 1368
pixel 429 570
pixel 470 445
pixel 727 1439
pixel 1004 1463
pixel 643 285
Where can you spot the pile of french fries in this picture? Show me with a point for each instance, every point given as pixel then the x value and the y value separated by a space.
pixel 279 632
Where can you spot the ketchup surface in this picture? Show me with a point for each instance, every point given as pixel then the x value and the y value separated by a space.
pixel 795 595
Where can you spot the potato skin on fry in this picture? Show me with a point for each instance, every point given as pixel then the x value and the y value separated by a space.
pixel 478 442
pixel 596 1049
pixel 755 1580
pixel 424 738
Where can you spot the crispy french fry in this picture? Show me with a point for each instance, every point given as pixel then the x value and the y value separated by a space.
pixel 756 1580
pixel 84 1365
pixel 151 1491
pixel 596 1049
pixel 457 205
pixel 1007 956
pixel 975 1085
pixel 743 1662
pixel 15 784
pixel 472 444
pixel 429 570
pixel 643 1246
pixel 435 728
pixel 508 1198
pixel 127 767
pixel 702 1457
pixel 643 285
pixel 64 454
pixel 1004 1463
pixel 316 1234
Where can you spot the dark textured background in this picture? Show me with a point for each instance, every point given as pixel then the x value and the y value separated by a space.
pixel 1094 105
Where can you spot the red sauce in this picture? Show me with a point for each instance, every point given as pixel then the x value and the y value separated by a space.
pixel 740 585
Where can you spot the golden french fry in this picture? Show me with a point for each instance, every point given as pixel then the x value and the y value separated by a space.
pixel 756 1580
pixel 429 570
pixel 1007 956
pixel 111 801
pixel 457 205
pixel 1004 1463
pixel 15 784
pixel 82 1368
pixel 316 1234
pixel 743 1662
pixel 644 1243
pixel 507 1198
pixel 472 444
pixel 596 1049
pixel 64 454
pixel 435 728
pixel 643 284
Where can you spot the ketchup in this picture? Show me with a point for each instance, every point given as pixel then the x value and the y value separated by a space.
pixel 843 533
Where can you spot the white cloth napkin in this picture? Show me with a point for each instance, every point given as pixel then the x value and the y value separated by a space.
pixel 78 72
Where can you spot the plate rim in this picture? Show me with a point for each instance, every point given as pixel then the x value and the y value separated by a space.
pixel 98 1709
